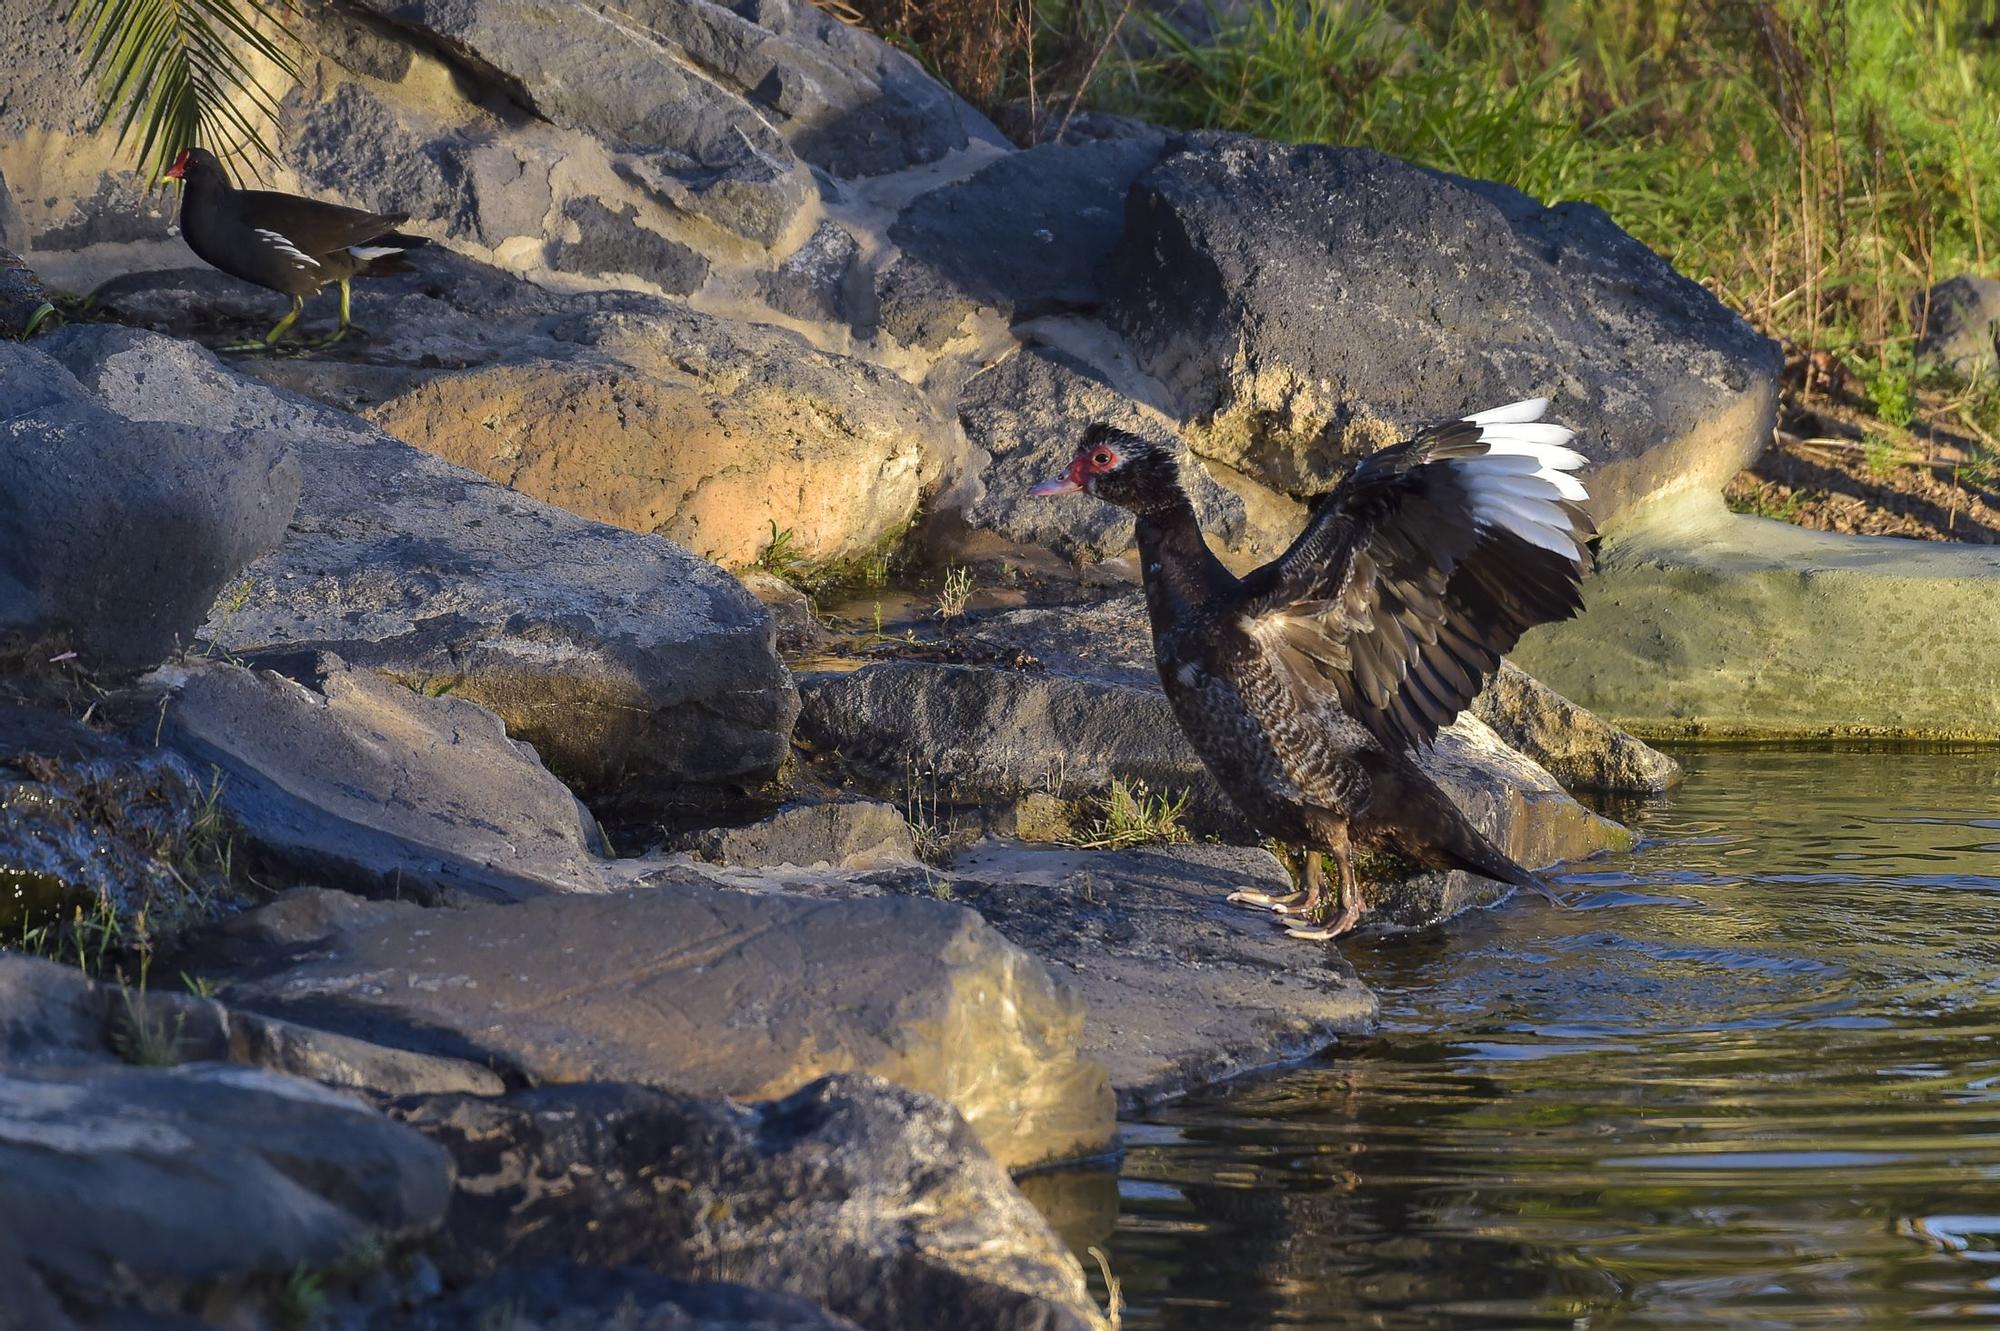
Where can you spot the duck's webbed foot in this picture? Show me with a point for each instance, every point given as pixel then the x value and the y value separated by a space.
pixel 1303 901
pixel 1343 920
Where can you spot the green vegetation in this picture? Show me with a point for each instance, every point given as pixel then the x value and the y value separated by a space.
pixel 1765 502
pixel 176 73
pixel 955 594
pixel 782 558
pixel 1132 815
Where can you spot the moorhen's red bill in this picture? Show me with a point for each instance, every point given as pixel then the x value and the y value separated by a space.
pixel 282 242
pixel 1305 685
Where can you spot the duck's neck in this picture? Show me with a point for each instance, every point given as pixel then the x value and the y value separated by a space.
pixel 1179 569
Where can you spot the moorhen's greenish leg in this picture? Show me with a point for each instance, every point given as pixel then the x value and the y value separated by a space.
pixel 1290 901
pixel 270 339
pixel 1349 913
pixel 341 331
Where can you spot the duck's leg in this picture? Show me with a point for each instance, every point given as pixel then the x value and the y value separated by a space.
pixel 1297 900
pixel 1349 914
pixel 270 339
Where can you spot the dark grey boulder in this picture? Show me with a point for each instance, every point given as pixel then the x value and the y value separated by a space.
pixel 347 777
pixel 610 242
pixel 812 282
pixel 840 834
pixel 1306 304
pixel 873 1201
pixel 135 1185
pixel 1959 325
pixel 684 985
pixel 563 1296
pixel 191 503
pixel 1031 234
pixel 633 667
pixel 22 295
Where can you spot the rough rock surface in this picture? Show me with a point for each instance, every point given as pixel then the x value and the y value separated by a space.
pixel 1028 413
pixel 1705 622
pixel 1958 317
pixel 630 665
pixel 192 504
pixel 86 817
pixel 1577 748
pixel 347 777
pixel 1028 235
pixel 839 834
pixel 1241 258
pixel 708 991
pixel 108 1166
pixel 869 1199
pixel 1180 988
pixel 562 1296
pixel 22 295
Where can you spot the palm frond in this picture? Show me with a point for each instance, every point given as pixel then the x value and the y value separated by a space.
pixel 177 73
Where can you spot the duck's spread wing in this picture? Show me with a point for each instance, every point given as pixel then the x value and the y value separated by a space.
pixel 1425 565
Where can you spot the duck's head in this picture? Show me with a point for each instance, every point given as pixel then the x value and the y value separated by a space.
pixel 1120 468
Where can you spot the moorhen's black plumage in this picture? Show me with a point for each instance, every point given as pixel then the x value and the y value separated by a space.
pixel 1305 685
pixel 282 242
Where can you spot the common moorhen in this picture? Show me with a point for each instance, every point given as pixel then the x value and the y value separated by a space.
pixel 282 242
pixel 1305 685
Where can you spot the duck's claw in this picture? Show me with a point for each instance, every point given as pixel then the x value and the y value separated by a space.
pixel 1341 923
pixel 1282 905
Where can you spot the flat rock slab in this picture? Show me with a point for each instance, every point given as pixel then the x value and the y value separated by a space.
pixel 1180 988
pixel 704 990
pixel 134 1185
pixel 838 834
pixel 347 777
pixel 1702 622
pixel 634 668
pixel 871 1200
pixel 1307 304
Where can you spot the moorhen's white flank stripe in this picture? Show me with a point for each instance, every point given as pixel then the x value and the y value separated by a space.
pixel 283 245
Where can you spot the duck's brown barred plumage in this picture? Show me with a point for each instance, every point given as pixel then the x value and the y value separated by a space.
pixel 1305 685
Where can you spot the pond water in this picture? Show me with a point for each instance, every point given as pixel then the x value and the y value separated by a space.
pixel 1752 1081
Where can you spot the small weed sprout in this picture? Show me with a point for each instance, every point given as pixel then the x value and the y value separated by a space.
pixel 143 1038
pixel 1881 456
pixel 956 594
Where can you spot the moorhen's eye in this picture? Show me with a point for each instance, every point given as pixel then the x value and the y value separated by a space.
pixel 1100 459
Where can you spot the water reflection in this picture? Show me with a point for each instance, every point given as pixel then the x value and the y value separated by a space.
pixel 1750 1083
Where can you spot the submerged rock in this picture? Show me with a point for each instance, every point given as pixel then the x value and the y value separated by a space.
pixel 635 669
pixel 193 502
pixel 712 992
pixel 874 1201
pixel 345 776
pixel 1306 304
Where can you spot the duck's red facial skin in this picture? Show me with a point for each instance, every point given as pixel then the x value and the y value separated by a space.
pixel 1089 464
pixel 178 171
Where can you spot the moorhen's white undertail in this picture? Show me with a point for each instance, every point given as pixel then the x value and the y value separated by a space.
pixel 1305 685
pixel 282 242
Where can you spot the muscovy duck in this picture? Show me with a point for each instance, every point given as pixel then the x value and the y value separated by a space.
pixel 1305 685
pixel 284 243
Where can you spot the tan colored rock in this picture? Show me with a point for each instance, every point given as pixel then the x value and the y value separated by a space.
pixel 704 431
pixel 1577 747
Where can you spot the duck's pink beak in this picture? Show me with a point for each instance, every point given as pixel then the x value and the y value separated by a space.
pixel 1069 483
